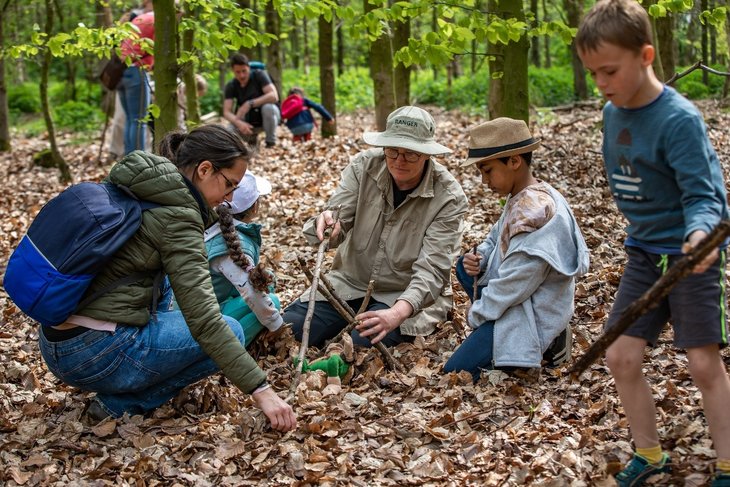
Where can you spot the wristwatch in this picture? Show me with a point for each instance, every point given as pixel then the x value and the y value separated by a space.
pixel 250 104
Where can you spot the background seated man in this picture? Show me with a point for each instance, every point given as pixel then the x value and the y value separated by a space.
pixel 250 102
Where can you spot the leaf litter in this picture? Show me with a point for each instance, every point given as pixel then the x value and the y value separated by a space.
pixel 384 428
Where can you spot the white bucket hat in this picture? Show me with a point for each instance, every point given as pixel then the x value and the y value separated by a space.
pixel 248 191
pixel 409 128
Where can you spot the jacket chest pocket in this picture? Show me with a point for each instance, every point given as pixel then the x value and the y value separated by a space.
pixel 403 244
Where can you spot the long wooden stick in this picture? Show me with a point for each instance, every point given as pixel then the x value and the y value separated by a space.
pixel 325 280
pixel 313 298
pixel 348 329
pixel 475 292
pixel 652 297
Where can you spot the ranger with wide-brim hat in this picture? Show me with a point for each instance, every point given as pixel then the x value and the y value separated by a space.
pixel 409 128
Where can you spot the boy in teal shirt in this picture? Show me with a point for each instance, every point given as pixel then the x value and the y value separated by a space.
pixel 665 178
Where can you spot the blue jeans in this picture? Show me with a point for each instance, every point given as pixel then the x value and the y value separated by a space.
pixel 134 369
pixel 327 323
pixel 475 353
pixel 134 91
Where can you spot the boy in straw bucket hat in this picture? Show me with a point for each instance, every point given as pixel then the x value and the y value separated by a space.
pixel 527 265
pixel 242 285
pixel 400 225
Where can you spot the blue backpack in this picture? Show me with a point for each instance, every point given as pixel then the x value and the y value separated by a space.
pixel 67 245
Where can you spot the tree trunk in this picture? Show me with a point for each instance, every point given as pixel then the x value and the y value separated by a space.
pixel 249 52
pixel 704 42
pixel 165 68
pixel 726 86
pixel 305 39
pixel 4 111
pixel 713 39
pixel 56 157
pixel 402 73
pixel 192 107
pixel 273 50
pixel 435 29
pixel 508 91
pixel 573 9
pixel 295 48
pixel 535 41
pixel 381 72
pixel 546 40
pixel 665 36
pixel 327 73
pixel 340 49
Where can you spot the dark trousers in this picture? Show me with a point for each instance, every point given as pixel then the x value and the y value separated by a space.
pixel 327 323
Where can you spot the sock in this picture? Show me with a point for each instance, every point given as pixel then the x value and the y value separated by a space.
pixel 723 465
pixel 652 455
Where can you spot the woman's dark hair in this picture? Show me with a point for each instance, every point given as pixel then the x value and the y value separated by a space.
pixel 213 143
pixel 259 278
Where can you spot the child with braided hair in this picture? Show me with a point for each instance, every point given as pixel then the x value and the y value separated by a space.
pixel 242 284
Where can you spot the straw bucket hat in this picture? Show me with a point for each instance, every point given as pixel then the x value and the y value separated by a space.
pixel 499 138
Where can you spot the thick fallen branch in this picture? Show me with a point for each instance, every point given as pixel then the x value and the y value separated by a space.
pixel 652 297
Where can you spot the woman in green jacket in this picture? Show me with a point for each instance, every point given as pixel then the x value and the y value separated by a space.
pixel 136 358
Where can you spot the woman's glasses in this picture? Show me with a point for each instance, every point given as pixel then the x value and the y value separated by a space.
pixel 409 156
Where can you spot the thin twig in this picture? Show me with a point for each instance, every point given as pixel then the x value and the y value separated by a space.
pixel 476 280
pixel 652 297
pixel 325 280
pixel 366 299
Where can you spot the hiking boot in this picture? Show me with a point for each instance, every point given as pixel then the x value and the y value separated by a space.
pixel 721 480
pixel 270 144
pixel 639 469
pixel 559 351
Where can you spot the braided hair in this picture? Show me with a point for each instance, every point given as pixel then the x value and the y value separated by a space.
pixel 259 277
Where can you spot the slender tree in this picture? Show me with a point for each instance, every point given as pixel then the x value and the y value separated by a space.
pixel 381 72
pixel 402 79
pixel 192 107
pixel 4 111
pixel 327 71
pixel 166 68
pixel 535 40
pixel 666 44
pixel 508 93
pixel 573 9
pixel 273 50
pixel 54 156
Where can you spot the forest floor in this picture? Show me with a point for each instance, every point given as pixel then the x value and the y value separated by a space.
pixel 385 428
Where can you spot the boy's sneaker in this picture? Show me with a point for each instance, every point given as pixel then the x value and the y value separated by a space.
pixel 721 480
pixel 639 469
pixel 559 351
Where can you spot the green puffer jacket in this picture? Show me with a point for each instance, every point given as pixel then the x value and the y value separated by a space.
pixel 170 238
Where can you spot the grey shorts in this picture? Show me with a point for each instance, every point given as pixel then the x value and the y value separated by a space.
pixel 696 305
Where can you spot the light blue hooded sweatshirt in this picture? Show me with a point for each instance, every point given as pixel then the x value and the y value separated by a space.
pixel 529 291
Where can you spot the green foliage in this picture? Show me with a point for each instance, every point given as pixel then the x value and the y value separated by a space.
pixel 354 87
pixel 24 98
pixel 692 87
pixel 550 86
pixel 77 116
pixel 468 92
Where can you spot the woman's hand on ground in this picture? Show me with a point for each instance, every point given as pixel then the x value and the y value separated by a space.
pixel 280 414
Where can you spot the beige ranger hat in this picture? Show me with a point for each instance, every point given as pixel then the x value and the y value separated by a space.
pixel 498 138
pixel 409 128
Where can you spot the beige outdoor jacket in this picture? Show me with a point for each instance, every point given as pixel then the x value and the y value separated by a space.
pixel 407 251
